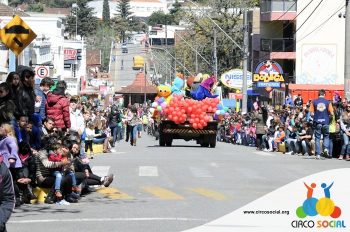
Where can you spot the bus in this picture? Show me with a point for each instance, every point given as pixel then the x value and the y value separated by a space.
pixel 139 63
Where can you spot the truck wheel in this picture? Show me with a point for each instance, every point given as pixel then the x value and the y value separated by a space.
pixel 205 144
pixel 161 141
pixel 212 142
pixel 169 142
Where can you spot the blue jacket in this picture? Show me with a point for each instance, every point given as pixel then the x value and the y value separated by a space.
pixel 39 92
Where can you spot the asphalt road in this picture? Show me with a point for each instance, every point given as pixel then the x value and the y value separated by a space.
pixel 121 68
pixel 170 188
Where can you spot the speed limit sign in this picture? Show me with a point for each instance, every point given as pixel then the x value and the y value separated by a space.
pixel 42 71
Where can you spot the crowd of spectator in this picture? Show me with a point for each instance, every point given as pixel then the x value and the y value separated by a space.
pixel 295 129
pixel 47 137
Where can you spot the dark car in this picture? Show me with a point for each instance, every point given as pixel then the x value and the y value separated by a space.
pixel 124 50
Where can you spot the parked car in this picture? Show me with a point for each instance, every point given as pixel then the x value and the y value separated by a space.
pixel 124 50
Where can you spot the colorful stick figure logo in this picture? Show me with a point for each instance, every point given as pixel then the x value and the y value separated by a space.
pixel 323 206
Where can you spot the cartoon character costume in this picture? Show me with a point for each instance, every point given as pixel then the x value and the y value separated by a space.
pixel 176 88
pixel 204 89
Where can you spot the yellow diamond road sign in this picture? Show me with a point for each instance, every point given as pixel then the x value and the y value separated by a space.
pixel 17 35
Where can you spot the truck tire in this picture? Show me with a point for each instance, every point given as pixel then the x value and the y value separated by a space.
pixel 205 144
pixel 161 141
pixel 212 142
pixel 169 141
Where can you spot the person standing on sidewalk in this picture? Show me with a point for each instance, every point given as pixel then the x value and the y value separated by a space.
pixel 321 109
pixel 7 195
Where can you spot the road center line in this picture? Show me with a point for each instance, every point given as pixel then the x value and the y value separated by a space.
pixel 103 220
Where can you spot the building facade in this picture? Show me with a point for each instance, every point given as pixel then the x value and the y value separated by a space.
pixel 274 39
pixel 139 8
pixel 320 42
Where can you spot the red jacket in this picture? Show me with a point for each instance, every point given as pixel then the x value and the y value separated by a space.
pixel 57 108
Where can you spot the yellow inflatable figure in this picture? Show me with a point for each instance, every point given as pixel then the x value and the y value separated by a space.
pixel 164 91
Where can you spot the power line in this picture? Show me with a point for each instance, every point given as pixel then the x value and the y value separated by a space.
pixel 309 16
pixel 321 24
pixel 267 55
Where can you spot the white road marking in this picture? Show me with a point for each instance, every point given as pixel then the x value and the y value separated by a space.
pixel 263 153
pixel 100 170
pixel 213 164
pixel 200 172
pixel 103 220
pixel 148 171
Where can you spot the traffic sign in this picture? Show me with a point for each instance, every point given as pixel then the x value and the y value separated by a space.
pixel 17 35
pixel 42 71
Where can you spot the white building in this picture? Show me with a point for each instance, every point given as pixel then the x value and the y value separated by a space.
pixel 74 65
pixel 139 8
pixel 320 42
pixel 157 35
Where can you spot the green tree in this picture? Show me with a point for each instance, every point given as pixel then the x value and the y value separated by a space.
pixel 102 40
pixel 122 20
pixel 105 12
pixel 82 20
pixel 200 35
pixel 175 13
pixel 37 7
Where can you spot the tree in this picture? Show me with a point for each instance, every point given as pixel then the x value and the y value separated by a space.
pixel 200 35
pixel 102 40
pixel 37 7
pixel 121 21
pixel 82 20
pixel 175 13
pixel 105 12
pixel 123 9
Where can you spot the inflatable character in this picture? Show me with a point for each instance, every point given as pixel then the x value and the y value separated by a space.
pixel 176 88
pixel 204 89
pixel 164 91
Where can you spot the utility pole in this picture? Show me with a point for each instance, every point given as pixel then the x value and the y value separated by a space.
pixel 215 56
pixel 347 52
pixel 196 63
pixel 166 48
pixel 245 62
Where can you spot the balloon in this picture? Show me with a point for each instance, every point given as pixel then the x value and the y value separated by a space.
pixel 195 125
pixel 222 112
pixel 159 108
pixel 164 105
pixel 218 112
pixel 220 107
pixel 227 114
pixel 154 104
pixel 151 110
pixel 226 108
pixel 175 118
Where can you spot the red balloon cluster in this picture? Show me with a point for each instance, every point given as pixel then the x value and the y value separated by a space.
pixel 179 110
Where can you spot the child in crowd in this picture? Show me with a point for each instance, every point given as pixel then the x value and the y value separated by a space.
pixel 55 155
pixel 26 176
pixel 90 134
pixel 279 136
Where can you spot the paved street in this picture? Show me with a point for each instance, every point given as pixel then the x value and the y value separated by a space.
pixel 170 188
pixel 121 69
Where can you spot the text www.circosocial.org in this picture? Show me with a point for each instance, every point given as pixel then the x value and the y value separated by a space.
pixel 285 212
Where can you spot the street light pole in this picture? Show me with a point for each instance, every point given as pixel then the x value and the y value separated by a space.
pixel 245 63
pixel 215 56
pixel 347 52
